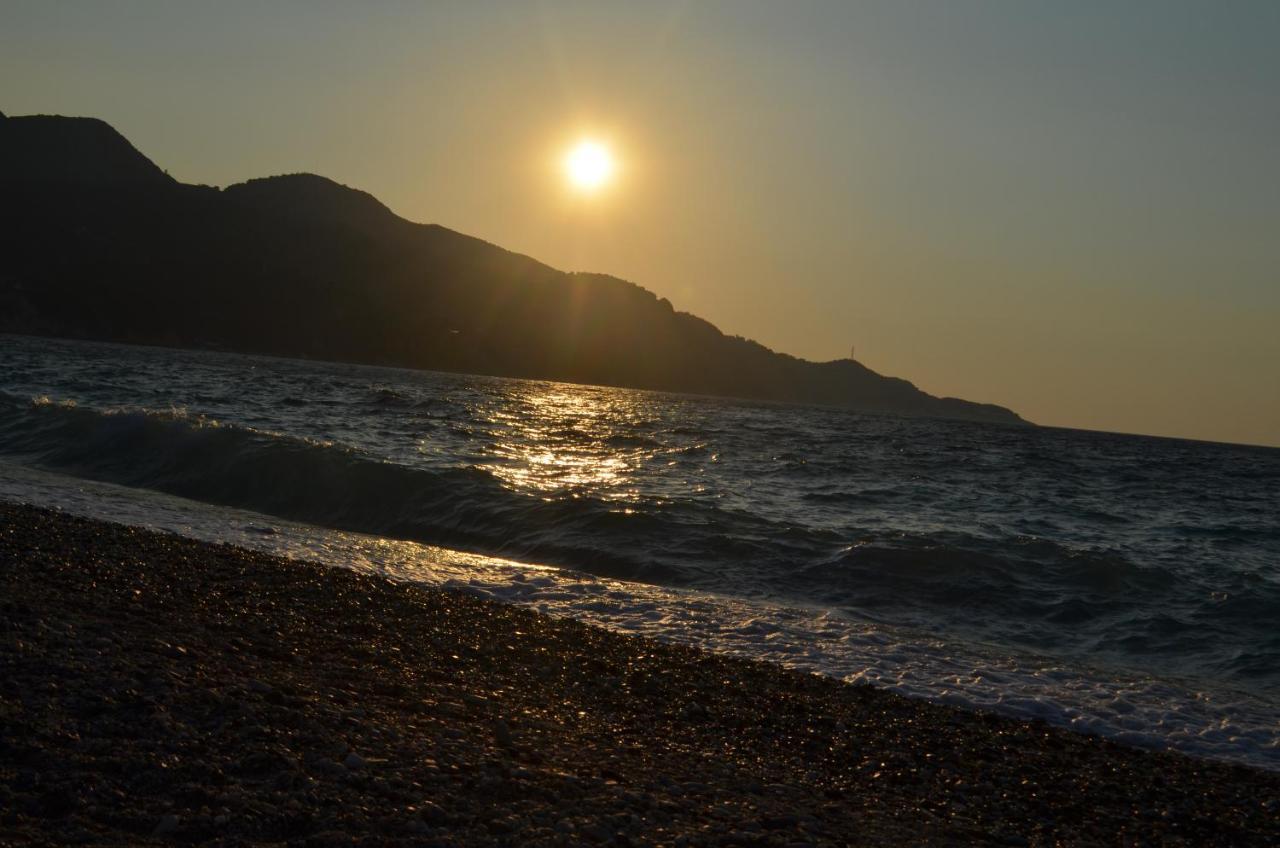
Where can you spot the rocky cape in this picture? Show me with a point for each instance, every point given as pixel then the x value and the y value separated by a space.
pixel 98 242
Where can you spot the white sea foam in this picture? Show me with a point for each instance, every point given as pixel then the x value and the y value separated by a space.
pixel 1142 711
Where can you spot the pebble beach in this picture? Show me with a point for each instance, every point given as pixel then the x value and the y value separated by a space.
pixel 160 690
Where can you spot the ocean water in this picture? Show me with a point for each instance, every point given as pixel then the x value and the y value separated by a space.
pixel 1120 585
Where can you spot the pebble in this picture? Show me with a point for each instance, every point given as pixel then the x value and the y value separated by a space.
pixel 502 734
pixel 596 832
pixel 429 811
pixel 694 711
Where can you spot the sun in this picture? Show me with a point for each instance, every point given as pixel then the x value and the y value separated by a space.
pixel 589 165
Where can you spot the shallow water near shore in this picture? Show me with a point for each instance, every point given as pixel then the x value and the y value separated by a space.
pixel 1121 585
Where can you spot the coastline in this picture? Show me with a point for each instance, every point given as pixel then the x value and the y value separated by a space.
pixel 161 689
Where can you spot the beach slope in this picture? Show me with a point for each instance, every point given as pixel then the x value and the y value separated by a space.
pixel 157 690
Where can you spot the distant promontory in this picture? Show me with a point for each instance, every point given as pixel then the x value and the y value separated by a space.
pixel 100 243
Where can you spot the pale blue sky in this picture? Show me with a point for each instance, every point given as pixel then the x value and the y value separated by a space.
pixel 1072 209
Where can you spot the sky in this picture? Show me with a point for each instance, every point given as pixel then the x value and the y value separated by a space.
pixel 1071 209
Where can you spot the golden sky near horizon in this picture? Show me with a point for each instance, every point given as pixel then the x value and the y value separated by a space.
pixel 1068 209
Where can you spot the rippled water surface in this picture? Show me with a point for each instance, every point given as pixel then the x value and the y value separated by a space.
pixel 1106 551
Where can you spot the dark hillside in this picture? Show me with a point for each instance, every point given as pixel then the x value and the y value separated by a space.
pixel 53 148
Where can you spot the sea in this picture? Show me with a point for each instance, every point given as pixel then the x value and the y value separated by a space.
pixel 1118 585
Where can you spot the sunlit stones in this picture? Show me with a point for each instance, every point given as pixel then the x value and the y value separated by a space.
pixel 589 166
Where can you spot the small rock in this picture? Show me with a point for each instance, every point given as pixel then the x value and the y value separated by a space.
pixel 429 811
pixel 326 766
pixel 596 833
pixel 354 762
pixel 694 710
pixel 502 733
pixel 168 824
pixel 56 803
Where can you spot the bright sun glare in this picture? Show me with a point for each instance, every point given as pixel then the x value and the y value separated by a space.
pixel 589 165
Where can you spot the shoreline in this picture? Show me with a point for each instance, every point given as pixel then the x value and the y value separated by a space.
pixel 160 689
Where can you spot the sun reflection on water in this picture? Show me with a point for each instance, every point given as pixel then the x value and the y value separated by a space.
pixel 560 443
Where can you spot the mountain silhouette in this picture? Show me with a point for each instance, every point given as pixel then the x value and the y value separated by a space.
pixel 100 243
pixel 57 149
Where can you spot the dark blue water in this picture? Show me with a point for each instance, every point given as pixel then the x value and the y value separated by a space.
pixel 1110 550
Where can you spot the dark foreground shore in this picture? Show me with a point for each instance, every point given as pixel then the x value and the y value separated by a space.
pixel 156 690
